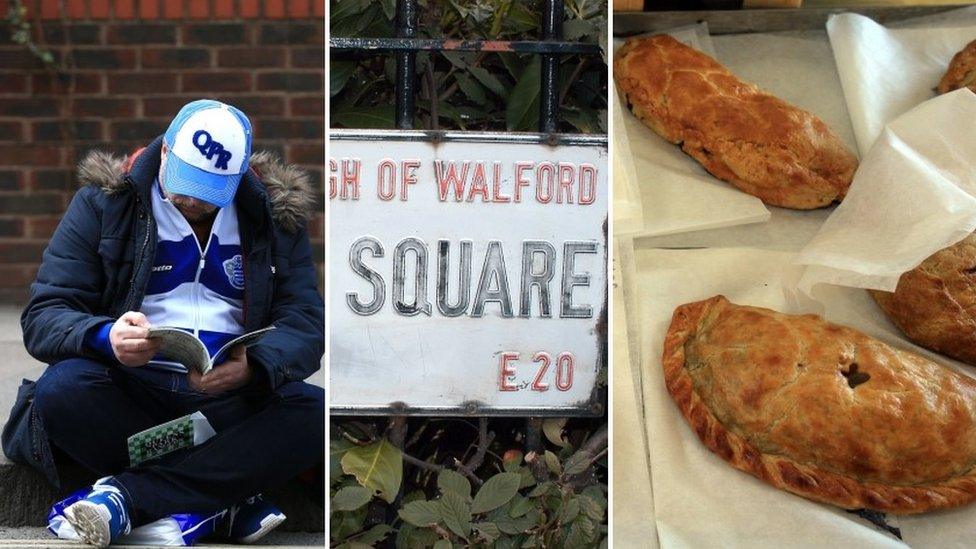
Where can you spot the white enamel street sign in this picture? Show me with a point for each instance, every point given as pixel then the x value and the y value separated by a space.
pixel 467 273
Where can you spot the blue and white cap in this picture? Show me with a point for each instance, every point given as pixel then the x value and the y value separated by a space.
pixel 209 149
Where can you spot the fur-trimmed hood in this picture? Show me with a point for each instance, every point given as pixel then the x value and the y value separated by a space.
pixel 287 186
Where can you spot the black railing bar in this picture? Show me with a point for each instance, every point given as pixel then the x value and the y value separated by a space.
pixel 406 62
pixel 440 44
pixel 467 136
pixel 552 29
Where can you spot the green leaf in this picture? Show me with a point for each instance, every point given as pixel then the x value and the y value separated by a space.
pixel 582 533
pixel 345 524
pixel 576 464
pixel 552 463
pixel 574 29
pixel 528 479
pixel 569 511
pixel 339 73
pixel 488 530
pixel 456 513
pixel 366 117
pixel 337 449
pixel 497 491
pixel 523 104
pixel 596 494
pixel 490 81
pixel 513 526
pixel 472 89
pixel 520 506
pixel 553 429
pixel 355 544
pixel 378 467
pixel 591 508
pixel 541 489
pixel 520 19
pixel 421 513
pixel 351 498
pixel 454 482
pixel 443 544
pixel 375 534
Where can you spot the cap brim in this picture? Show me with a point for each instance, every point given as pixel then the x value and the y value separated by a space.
pixel 186 179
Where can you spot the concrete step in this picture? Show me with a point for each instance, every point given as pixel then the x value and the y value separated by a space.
pixel 40 537
pixel 26 497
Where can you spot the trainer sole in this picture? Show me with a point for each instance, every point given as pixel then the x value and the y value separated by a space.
pixel 89 523
pixel 267 525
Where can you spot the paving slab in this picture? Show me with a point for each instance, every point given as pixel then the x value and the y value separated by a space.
pixel 40 537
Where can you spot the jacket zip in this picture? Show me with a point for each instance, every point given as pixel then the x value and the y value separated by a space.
pixel 137 266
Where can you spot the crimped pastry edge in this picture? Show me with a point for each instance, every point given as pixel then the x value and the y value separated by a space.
pixel 782 472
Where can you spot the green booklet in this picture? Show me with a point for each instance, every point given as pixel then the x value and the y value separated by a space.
pixel 182 432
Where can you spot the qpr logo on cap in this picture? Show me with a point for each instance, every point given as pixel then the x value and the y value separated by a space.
pixel 209 147
pixel 234 269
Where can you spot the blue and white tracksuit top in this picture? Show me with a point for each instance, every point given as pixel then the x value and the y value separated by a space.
pixel 198 290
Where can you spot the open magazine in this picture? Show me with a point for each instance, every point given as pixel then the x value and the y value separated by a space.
pixel 187 349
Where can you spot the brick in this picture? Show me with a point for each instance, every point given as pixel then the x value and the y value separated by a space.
pixel 142 83
pixel 149 9
pixel 110 59
pixel 141 33
pixel 173 9
pixel 313 154
pixel 52 180
pixel 84 83
pixel 42 227
pixel 30 155
pixel 299 8
pixel 223 9
pixel 15 281
pixel 250 8
pixel 290 128
pixel 164 106
pixel 125 9
pixel 290 81
pixel 76 34
pixel 76 9
pixel 258 105
pixel 291 33
pixel 261 144
pixel 67 130
pixel 104 107
pixel 318 7
pixel 11 180
pixel 18 58
pixel 20 251
pixel 50 9
pixel 251 57
pixel 33 107
pixel 214 33
pixel 212 82
pixel 199 9
pixel 308 106
pixel 274 8
pixel 11 131
pixel 11 227
pixel 36 203
pixel 136 130
pixel 118 148
pixel 175 58
pixel 99 9
pixel 13 83
pixel 313 58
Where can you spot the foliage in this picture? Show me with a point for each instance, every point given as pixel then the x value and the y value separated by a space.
pixel 20 33
pixel 469 90
pixel 553 498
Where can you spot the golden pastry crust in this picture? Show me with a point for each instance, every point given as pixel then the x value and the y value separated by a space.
pixel 779 397
pixel 934 304
pixel 961 72
pixel 764 146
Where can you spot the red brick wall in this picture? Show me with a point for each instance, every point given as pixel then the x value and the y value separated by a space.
pixel 130 65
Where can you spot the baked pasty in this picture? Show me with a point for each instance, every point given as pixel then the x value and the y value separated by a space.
pixel 934 304
pixel 764 146
pixel 961 72
pixel 822 410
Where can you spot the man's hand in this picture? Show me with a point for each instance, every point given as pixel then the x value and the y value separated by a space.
pixel 233 374
pixel 129 342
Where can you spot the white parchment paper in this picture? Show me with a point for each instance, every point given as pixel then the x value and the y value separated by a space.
pixel 914 194
pixel 887 72
pixel 701 501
